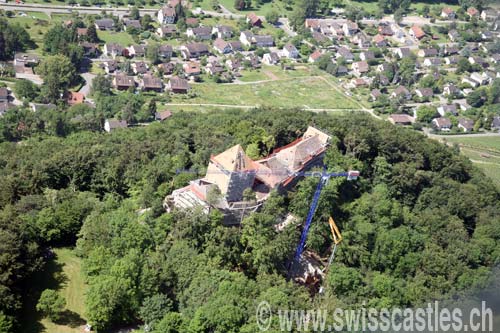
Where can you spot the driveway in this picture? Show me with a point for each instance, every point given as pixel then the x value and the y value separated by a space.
pixel 88 77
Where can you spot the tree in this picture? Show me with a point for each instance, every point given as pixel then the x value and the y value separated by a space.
pixel 92 34
pixel 101 85
pixel 51 304
pixel 239 4
pixel 13 38
pixel 58 73
pixel 134 13
pixel 426 113
pixel 154 308
pixel 272 17
pixel 297 18
pixel 398 16
pixel 152 53
pixel 26 89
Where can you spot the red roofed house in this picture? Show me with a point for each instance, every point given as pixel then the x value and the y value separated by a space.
pixel 471 11
pixel 448 13
pixel 75 98
pixel 315 56
pixel 417 32
pixel 401 119
pixel 254 20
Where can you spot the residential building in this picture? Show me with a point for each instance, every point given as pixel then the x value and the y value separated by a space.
pixel 199 33
pixel 223 31
pixel 123 82
pixel 445 109
pixel 163 115
pixel 113 124
pixel 271 58
pixel 165 51
pixel 167 30
pixel 113 49
pixel 104 24
pixel 448 13
pixel 191 68
pixel 350 28
pixel 167 15
pixel 178 85
pixel 367 55
pixel 417 32
pixel 135 24
pixel 74 98
pixel 442 124
pixel 290 51
pixel 222 46
pixel 424 92
pixel 136 51
pixel 315 56
pixel 401 91
pixel 401 119
pixel 360 67
pixel 194 50
pixel 466 125
pixel 151 83
pixel 139 67
pixel 428 52
pixel 254 20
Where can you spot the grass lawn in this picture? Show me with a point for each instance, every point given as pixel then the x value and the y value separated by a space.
pixel 261 10
pixel 36 24
pixel 310 92
pixel 484 152
pixel 122 38
pixel 63 274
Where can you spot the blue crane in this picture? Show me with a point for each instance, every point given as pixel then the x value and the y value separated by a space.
pixel 325 176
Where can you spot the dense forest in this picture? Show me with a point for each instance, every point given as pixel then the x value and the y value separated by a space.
pixel 421 222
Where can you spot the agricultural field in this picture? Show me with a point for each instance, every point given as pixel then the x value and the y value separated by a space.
pixel 62 273
pixel 484 152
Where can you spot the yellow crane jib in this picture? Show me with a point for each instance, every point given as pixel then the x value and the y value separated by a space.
pixel 337 237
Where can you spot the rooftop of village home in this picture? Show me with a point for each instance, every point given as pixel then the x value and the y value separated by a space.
pixel 232 171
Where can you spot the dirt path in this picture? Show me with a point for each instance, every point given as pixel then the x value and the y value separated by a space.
pixel 271 75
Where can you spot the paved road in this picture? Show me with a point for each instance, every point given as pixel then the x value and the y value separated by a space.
pixel 50 9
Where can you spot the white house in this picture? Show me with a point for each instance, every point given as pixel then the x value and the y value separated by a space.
pixel 290 51
pixel 166 15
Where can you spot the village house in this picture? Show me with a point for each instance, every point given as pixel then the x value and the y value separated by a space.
pixel 139 67
pixel 375 94
pixel 451 49
pixel 445 109
pixel 214 68
pixel 191 68
pixel 428 52
pixel 90 50
pixel 136 51
pixel 262 40
pixel 74 98
pixel 470 82
pixel 290 51
pixel 110 66
pixel 235 64
pixel 450 89
pixel 123 82
pixel 453 60
pixel 344 53
pixel 271 58
pixel 167 30
pixel 472 12
pixel 222 31
pixel 165 51
pixel 315 56
pixel 113 124
pixel 163 115
pixel 466 125
pixel 254 20
pixel 194 50
pixel 401 91
pixel 385 30
pixel 402 52
pixel 430 62
pixel 178 85
pixel 192 22
pixel 477 60
pixel 424 92
pixel 38 107
pixel 448 13
pixel 26 60
pixel 235 45
pixel 417 32
pixel 221 46
pixel 104 24
pixel 135 24
pixel 480 78
pixel 246 37
pixel 167 68
pixel 401 119
pixel 454 35
pixel 361 67
pixel 350 28
pixel 367 55
pixel 199 33
pixel 489 15
pixel 254 60
pixel 379 41
pixel 166 15
pixel 151 83
pixel 442 124
pixel 112 50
